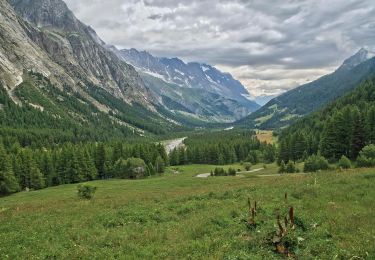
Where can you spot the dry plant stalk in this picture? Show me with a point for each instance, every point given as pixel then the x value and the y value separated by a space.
pixel 291 217
pixel 281 228
pixel 286 221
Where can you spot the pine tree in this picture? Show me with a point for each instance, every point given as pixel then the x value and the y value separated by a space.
pixel 48 169
pixel 117 152
pixel 161 150
pixel 100 160
pixel 282 168
pixel 182 156
pixel 358 136
pixel 283 151
pixel 32 177
pixel 370 125
pixel 174 158
pixel 90 172
pixel 8 182
pixel 159 165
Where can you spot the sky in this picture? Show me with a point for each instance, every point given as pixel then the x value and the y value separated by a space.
pixel 270 46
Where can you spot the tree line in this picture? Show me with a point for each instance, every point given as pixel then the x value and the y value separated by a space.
pixel 27 168
pixel 343 128
pixel 224 147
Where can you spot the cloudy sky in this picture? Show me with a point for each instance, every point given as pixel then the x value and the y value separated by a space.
pixel 270 46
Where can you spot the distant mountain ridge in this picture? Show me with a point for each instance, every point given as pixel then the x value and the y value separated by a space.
pixel 221 96
pixel 288 107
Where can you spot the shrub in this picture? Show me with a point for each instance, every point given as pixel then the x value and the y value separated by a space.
pixel 132 168
pixel 247 166
pixel 282 168
pixel 344 162
pixel 366 157
pixel 290 167
pixel 86 191
pixel 231 172
pixel 368 151
pixel 219 172
pixel 315 163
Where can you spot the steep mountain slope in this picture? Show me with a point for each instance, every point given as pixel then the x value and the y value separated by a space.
pixel 51 65
pixel 343 127
pixel 199 89
pixel 286 108
pixel 71 45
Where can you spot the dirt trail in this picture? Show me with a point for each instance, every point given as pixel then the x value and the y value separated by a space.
pixel 206 175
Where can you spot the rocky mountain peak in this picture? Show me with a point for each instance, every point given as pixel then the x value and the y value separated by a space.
pixel 47 13
pixel 359 57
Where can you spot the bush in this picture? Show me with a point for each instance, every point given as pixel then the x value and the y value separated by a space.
pixel 219 172
pixel 86 191
pixel 345 163
pixel 232 172
pixel 282 168
pixel 290 167
pixel 368 151
pixel 247 166
pixel 366 157
pixel 315 163
pixel 132 168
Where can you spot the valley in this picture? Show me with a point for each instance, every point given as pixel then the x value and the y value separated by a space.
pixel 187 130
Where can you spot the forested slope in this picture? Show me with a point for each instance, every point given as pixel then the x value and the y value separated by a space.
pixel 342 128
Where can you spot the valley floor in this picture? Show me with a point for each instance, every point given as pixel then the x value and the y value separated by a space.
pixel 178 216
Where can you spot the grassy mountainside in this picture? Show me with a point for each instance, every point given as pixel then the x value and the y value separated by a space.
pixel 289 107
pixel 180 216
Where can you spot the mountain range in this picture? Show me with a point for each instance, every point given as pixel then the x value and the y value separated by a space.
pixel 58 69
pixel 303 100
pixel 192 88
pixel 54 64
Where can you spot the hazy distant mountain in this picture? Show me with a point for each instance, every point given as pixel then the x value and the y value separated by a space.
pixel 198 89
pixel 263 99
pixel 286 108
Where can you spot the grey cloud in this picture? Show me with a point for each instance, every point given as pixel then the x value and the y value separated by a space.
pixel 306 35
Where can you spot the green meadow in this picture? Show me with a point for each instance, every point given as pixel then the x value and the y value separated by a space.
pixel 179 216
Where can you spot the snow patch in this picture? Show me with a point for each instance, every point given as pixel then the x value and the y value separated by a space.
pixel 210 79
pixel 205 68
pixel 180 72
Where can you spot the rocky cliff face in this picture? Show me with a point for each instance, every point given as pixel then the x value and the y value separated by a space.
pixel 69 44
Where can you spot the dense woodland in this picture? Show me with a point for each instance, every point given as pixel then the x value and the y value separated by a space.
pixel 35 168
pixel 343 128
pixel 224 147
pixel 27 168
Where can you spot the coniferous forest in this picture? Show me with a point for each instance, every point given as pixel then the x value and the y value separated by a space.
pixel 343 128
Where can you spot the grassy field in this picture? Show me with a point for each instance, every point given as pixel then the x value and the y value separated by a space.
pixel 266 136
pixel 178 216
